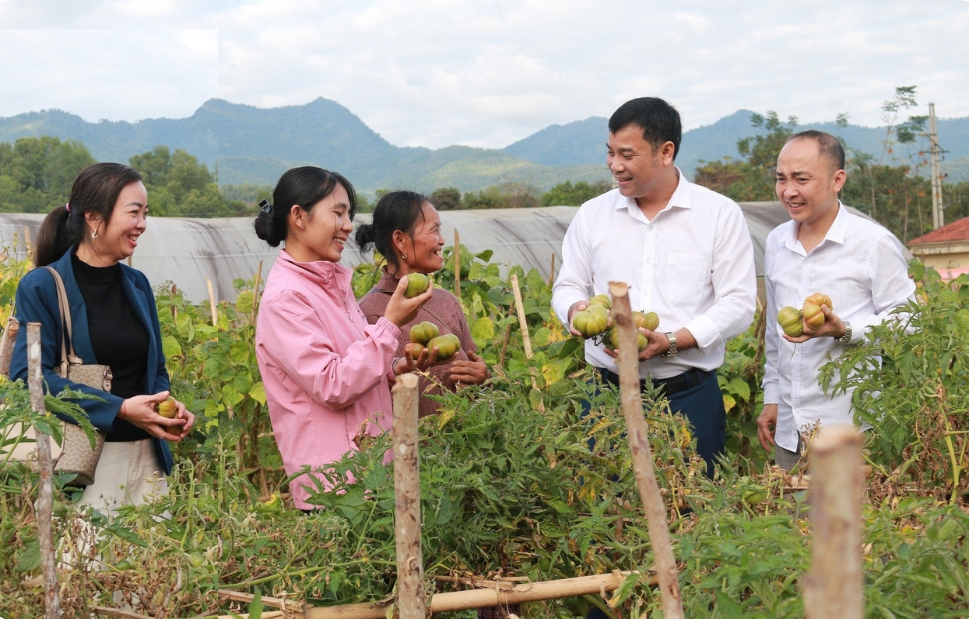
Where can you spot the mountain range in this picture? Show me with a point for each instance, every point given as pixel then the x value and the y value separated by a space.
pixel 246 144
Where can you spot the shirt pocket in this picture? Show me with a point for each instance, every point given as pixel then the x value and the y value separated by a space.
pixel 686 276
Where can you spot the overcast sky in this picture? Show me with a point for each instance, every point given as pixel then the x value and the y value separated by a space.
pixel 487 72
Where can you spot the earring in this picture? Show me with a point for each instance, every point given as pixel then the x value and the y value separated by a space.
pixel 404 256
pixel 94 234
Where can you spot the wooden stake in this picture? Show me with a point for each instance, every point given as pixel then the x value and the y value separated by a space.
pixel 255 295
pixel 457 264
pixel 27 247
pixel 407 506
pixel 520 307
pixel 632 409
pixel 7 344
pixel 551 275
pixel 833 589
pixel 485 598
pixel 45 500
pixel 212 305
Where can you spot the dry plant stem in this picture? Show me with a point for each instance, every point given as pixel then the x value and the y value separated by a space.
pixel 407 505
pixel 104 611
pixel 457 264
pixel 833 589
pixel 281 603
pixel 632 409
pixel 255 295
pixel 212 304
pixel 485 598
pixel 6 345
pixel 45 500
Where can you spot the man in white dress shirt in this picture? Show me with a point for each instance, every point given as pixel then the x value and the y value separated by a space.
pixel 824 248
pixel 685 253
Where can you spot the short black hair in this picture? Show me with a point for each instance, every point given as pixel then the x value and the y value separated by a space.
pixel 658 119
pixel 828 146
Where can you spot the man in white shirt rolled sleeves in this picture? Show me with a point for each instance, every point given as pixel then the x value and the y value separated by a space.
pixel 856 262
pixel 685 253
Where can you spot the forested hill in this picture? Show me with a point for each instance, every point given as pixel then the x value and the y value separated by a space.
pixel 255 145
pixel 582 142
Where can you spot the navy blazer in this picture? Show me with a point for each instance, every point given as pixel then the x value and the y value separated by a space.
pixel 37 302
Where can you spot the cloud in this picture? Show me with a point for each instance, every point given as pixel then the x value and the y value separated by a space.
pixel 436 72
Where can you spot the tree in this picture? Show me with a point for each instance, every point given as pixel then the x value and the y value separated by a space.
pixel 36 174
pixel 179 186
pixel 567 194
pixel 446 198
pixel 485 199
pixel 751 178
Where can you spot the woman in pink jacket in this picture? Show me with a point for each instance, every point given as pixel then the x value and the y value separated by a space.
pixel 326 371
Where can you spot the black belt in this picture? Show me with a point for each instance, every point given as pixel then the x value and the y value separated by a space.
pixel 674 384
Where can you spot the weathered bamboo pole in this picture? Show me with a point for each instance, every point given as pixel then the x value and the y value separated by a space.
pixel 6 346
pixel 484 598
pixel 45 499
pixel 280 603
pixel 457 264
pixel 523 324
pixel 407 505
pixel 833 588
pixel 520 308
pixel 212 303
pixel 632 409
pixel 551 275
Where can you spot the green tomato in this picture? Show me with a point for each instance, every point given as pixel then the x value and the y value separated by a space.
pixel 589 324
pixel 789 318
pixel 417 283
pixel 424 332
pixel 447 346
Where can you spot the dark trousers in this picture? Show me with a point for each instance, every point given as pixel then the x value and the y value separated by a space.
pixel 696 395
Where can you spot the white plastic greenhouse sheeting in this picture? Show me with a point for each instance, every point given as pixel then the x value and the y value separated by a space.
pixel 187 251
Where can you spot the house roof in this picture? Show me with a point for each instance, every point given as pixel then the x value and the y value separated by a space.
pixel 956 231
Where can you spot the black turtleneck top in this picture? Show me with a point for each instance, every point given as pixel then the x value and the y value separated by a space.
pixel 119 339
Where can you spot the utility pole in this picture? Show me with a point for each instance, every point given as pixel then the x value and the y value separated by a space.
pixel 938 214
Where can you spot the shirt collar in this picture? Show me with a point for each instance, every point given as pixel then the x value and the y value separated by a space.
pixel 681 198
pixel 835 234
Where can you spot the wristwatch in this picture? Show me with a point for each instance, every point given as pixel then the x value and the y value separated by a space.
pixel 671 351
pixel 844 339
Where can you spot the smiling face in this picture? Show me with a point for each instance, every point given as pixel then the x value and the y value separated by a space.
pixel 322 233
pixel 117 239
pixel 807 183
pixel 423 248
pixel 639 169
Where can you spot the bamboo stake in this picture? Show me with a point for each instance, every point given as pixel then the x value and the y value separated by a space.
pixel 833 588
pixel 255 294
pixel 212 305
pixel 485 598
pixel 457 264
pixel 520 307
pixel 27 246
pixel 407 505
pixel 105 611
pixel 551 275
pixel 6 346
pixel 45 500
pixel 632 408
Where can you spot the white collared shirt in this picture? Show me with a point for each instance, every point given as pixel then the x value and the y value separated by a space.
pixel 861 266
pixel 693 265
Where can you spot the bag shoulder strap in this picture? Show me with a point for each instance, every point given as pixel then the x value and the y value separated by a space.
pixel 68 356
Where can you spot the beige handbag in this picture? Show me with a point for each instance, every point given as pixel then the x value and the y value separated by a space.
pixel 74 455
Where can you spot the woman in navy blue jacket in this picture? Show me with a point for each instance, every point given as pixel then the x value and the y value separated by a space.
pixel 115 323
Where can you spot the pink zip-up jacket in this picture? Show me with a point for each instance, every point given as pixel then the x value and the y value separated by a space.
pixel 326 371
